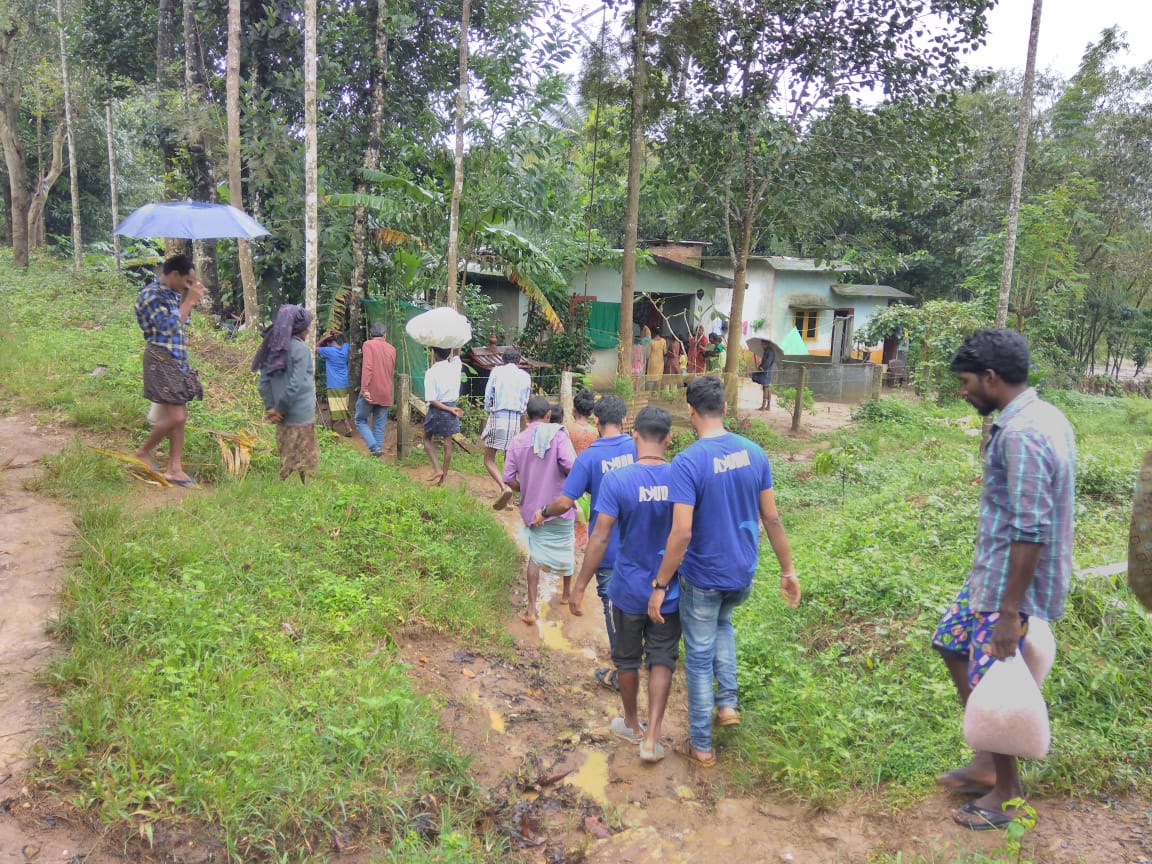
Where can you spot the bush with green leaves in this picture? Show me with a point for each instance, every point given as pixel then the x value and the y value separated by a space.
pixel 786 398
pixel 887 412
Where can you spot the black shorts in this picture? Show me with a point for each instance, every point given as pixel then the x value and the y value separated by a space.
pixel 637 635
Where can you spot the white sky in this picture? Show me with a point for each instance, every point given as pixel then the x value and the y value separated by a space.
pixel 1066 28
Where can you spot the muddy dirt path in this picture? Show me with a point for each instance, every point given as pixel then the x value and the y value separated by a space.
pixel 35 536
pixel 537 726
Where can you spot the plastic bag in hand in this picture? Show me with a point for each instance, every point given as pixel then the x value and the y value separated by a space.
pixel 1006 713
pixel 1039 649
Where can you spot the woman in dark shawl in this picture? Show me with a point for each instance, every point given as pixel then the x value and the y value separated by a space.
pixel 288 388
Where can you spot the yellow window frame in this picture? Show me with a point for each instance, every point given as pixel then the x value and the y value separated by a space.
pixel 807 322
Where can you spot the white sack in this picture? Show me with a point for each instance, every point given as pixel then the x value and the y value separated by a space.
pixel 440 328
pixel 1039 649
pixel 1006 713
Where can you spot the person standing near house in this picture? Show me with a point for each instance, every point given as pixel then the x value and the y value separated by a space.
pixel 334 350
pixel 697 350
pixel 376 389
pixel 505 399
pixel 656 352
pixel 1023 561
pixel 611 451
pixel 537 461
pixel 635 501
pixel 721 488
pixel 763 377
pixel 162 308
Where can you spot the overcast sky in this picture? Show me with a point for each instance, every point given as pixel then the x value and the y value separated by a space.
pixel 1066 27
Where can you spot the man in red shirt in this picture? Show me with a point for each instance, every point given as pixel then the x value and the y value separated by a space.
pixel 375 400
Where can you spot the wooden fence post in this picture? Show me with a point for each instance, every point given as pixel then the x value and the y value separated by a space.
pixel 877 381
pixel 566 396
pixel 404 388
pixel 798 407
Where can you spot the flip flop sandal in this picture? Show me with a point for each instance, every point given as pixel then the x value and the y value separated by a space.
pixel 727 716
pixel 989 820
pixel 607 678
pixel 503 500
pixel 684 748
pixel 189 483
pixel 959 783
pixel 653 755
pixel 622 730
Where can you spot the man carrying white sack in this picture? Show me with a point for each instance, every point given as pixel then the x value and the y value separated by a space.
pixel 1023 560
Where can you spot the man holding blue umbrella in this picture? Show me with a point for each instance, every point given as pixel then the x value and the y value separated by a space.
pixel 162 309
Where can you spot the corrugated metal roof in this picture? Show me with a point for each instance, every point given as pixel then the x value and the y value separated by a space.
pixel 809 301
pixel 871 291
pixel 698 272
pixel 488 358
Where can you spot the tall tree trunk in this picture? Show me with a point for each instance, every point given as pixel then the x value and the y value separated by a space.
pixel 1019 160
pixel 360 224
pixel 113 179
pixel 632 207
pixel 39 199
pixel 14 160
pixel 740 282
pixel 458 176
pixel 203 173
pixel 166 80
pixel 73 172
pixel 235 183
pixel 311 181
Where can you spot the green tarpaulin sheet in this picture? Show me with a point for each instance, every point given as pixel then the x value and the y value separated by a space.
pixel 603 324
pixel 411 357
pixel 794 344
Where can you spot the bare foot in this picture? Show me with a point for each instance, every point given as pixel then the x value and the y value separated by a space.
pixel 564 598
pixel 443 477
pixel 437 478
pixel 527 617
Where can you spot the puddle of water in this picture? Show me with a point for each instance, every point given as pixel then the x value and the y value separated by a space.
pixel 592 778
pixel 496 721
pixel 552 632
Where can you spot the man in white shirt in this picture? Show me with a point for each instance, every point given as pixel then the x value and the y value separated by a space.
pixel 505 399
pixel 441 391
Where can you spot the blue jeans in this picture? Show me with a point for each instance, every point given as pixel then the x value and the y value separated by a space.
pixel 709 653
pixel 378 415
pixel 603 577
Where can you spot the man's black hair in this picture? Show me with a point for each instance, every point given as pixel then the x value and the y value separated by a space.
pixel 556 412
pixel 706 395
pixel 442 353
pixel 1003 351
pixel 511 355
pixel 538 408
pixel 653 424
pixel 610 410
pixel 584 402
pixel 181 264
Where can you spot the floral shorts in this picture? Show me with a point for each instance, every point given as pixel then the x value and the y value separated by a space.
pixel 964 633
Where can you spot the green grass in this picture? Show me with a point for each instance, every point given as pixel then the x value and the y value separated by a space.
pixel 844 694
pixel 233 656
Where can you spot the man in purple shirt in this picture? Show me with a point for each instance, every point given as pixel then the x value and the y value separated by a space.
pixel 536 463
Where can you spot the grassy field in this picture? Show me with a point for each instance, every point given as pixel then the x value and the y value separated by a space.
pixel 232 657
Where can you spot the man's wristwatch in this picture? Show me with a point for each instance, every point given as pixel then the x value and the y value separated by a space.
pixel 543 513
pixel 656 585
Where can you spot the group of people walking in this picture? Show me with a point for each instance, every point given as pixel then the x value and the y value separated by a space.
pixel 673 546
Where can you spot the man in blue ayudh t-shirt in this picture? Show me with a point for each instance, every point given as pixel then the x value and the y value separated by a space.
pixel 612 450
pixel 721 491
pixel 637 499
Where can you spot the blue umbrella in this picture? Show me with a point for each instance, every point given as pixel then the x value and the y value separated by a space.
pixel 190 220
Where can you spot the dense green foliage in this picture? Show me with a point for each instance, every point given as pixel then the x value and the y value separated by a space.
pixel 247 678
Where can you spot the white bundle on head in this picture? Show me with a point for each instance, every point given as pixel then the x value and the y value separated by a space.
pixel 440 328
